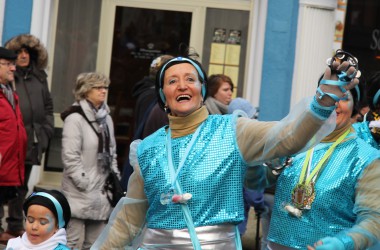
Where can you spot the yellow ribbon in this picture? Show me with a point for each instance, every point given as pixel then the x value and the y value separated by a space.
pixel 321 162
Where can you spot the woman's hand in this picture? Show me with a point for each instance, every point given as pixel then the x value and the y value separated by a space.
pixel 328 243
pixel 331 75
pixel 82 183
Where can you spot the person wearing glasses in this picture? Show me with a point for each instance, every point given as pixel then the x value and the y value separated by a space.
pixel 88 154
pixel 12 140
pixel 190 173
pixel 36 107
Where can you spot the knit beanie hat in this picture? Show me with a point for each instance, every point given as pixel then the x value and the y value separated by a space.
pixel 242 104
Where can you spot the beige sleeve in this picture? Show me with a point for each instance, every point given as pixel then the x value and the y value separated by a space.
pixel 367 207
pixel 259 141
pixel 129 219
pixel 136 185
pixel 259 177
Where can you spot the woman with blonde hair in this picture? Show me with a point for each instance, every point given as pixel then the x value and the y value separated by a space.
pixel 88 155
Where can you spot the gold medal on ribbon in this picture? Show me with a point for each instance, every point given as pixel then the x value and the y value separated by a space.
pixel 303 196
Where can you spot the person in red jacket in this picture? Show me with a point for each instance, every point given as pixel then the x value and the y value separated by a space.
pixel 12 136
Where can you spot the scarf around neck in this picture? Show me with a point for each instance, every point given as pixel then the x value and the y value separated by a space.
pixel 23 243
pixel 333 136
pixel 216 107
pixel 181 126
pixel 104 155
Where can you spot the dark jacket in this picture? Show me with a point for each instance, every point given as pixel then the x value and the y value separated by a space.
pixel 37 109
pixel 36 103
pixel 145 95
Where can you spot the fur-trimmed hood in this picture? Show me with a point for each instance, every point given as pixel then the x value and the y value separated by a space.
pixel 37 50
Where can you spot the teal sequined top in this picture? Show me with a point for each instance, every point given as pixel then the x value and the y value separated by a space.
pixel 62 247
pixel 334 209
pixel 362 130
pixel 214 175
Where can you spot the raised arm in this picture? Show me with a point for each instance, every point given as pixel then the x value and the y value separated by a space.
pixel 305 125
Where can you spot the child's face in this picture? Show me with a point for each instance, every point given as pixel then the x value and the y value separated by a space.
pixel 40 224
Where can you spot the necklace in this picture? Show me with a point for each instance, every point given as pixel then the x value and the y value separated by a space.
pixel 303 194
pixel 175 194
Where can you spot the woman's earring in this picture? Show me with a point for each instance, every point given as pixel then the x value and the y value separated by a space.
pixel 166 109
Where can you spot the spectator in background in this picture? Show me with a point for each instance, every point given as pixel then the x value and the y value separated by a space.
pixel 36 107
pixel 149 117
pixel 12 144
pixel 244 105
pixel 360 115
pixel 219 88
pixel 369 128
pixel 88 154
pixel 144 92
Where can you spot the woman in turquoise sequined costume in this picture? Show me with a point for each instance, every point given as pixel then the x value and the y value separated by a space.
pixel 188 177
pixel 327 199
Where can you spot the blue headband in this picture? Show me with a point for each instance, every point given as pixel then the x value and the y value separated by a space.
pixel 181 59
pixel 376 98
pixel 58 207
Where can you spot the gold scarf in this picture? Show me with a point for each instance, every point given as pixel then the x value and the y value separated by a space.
pixel 181 126
pixel 333 136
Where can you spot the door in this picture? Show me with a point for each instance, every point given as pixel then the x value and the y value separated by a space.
pixel 139 36
pixel 120 38
pixel 131 35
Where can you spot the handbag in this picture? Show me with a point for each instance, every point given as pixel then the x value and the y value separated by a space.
pixel 113 188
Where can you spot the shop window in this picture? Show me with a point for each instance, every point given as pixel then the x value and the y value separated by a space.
pixel 362 33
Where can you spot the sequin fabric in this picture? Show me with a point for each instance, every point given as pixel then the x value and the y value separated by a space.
pixel 362 130
pixel 332 210
pixel 213 173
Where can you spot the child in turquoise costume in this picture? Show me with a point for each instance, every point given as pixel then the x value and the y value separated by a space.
pixel 47 215
pixel 188 177
pixel 327 199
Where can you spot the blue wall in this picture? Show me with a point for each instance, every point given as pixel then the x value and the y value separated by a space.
pixel 279 54
pixel 17 18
